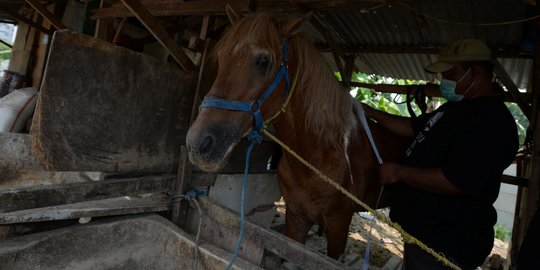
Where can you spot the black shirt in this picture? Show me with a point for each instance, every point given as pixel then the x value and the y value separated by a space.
pixel 473 141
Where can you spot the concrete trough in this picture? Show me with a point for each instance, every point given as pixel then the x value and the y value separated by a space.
pixel 129 242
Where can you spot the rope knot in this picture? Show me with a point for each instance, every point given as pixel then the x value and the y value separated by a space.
pixel 255 136
pixel 191 194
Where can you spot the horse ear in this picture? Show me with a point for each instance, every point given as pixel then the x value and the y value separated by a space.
pixel 232 14
pixel 293 26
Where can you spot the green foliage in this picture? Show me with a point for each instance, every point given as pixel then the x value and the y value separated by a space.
pixel 5 54
pixel 501 232
pixel 522 122
pixel 388 102
pixel 395 103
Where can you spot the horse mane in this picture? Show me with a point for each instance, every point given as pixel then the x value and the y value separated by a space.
pixel 327 105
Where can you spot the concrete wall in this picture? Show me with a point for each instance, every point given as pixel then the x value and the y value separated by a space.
pixel 506 202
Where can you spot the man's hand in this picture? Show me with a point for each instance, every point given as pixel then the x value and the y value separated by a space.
pixel 390 173
pixel 428 179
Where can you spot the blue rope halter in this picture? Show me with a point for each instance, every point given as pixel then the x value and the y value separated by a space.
pixel 255 137
pixel 254 107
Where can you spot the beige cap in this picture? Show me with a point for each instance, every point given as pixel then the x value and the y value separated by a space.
pixel 459 51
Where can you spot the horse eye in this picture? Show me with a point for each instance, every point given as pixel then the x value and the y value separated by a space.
pixel 262 64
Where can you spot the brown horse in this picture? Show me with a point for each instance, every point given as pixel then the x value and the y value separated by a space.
pixel 320 123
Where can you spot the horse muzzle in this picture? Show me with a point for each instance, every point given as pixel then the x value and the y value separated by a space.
pixel 209 146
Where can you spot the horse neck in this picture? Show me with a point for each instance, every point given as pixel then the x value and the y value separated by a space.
pixel 320 109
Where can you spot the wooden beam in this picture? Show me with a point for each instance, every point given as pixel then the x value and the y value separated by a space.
pixel 337 52
pixel 48 195
pixel 23 19
pixel 515 180
pixel 45 13
pixel 302 5
pixel 152 24
pixel 100 208
pixel 512 89
pixel 174 8
pixel 431 90
pixel 324 47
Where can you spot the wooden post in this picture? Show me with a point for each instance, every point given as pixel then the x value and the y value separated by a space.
pixel 512 89
pixel 152 24
pixel 183 182
pixel 119 30
pixel 530 195
pixel 208 22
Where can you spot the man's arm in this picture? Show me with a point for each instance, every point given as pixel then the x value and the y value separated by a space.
pixel 396 124
pixel 431 180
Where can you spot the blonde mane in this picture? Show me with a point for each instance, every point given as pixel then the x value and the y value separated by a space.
pixel 327 105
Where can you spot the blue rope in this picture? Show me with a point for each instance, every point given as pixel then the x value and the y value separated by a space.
pixel 252 136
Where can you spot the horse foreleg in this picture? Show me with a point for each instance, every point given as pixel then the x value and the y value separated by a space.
pixel 296 227
pixel 337 232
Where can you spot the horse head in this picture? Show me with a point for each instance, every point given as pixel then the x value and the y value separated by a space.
pixel 252 57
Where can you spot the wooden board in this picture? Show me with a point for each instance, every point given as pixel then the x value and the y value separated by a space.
pixel 49 195
pixel 99 208
pixel 106 108
pixel 217 219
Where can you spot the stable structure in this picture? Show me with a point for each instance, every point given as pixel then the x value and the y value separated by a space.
pixel 106 68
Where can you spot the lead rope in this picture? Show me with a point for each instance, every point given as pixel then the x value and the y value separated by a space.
pixel 365 124
pixel 254 140
pixel 407 238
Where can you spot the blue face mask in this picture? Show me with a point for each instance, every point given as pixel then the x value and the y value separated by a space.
pixel 448 89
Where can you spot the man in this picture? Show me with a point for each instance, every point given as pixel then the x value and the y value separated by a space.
pixel 446 185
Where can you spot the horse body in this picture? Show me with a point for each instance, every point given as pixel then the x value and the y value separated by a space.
pixel 320 124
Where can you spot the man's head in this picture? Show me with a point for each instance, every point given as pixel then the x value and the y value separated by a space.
pixel 466 69
pixel 465 50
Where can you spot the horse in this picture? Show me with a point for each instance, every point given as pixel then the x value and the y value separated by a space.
pixel 320 123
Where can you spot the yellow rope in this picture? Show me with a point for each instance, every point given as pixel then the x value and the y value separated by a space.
pixel 406 236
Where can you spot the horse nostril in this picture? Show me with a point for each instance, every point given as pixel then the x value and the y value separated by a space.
pixel 207 145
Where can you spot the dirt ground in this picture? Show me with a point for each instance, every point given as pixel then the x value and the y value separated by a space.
pixel 385 241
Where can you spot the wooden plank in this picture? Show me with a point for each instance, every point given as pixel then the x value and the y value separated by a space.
pixel 279 244
pixel 515 180
pixel 108 207
pixel 6 8
pixel 48 195
pixel 130 116
pixel 182 184
pixel 152 24
pixel 174 8
pixel 261 193
pixel 431 90
pixel 512 89
pixel 43 11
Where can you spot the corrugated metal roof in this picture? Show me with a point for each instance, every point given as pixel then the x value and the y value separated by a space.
pixel 425 24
